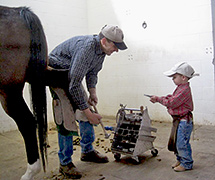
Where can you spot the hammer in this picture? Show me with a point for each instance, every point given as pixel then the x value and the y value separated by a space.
pixel 106 134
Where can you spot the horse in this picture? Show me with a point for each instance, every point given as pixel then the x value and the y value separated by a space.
pixel 23 59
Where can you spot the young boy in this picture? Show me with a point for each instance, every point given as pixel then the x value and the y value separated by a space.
pixel 180 107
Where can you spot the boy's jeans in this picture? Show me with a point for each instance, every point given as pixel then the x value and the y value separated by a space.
pixel 183 146
pixel 66 142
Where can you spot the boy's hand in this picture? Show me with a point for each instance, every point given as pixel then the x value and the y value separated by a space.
pixel 153 99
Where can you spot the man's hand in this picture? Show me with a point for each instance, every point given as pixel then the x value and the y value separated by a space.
pixel 93 97
pixel 93 118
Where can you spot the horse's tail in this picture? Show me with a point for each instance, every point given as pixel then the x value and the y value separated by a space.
pixel 36 74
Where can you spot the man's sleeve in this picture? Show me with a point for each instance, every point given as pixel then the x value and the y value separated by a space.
pixel 81 61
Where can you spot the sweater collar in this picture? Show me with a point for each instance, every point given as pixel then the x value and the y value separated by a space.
pixel 98 46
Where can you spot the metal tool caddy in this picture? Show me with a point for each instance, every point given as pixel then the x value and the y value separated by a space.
pixel 132 134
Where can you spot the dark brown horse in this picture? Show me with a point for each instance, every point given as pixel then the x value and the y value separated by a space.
pixel 23 58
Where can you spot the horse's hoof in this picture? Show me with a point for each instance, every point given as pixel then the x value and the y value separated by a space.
pixel 32 170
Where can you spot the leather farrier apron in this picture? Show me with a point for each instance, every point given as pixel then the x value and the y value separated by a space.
pixel 64 109
pixel 173 134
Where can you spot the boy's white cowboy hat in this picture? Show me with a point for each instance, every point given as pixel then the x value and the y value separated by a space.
pixel 181 68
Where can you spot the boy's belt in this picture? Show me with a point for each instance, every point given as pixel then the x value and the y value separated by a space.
pixel 188 116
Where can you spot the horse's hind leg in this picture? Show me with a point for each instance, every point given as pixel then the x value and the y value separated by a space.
pixel 15 106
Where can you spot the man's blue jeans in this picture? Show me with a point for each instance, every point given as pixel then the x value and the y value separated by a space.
pixel 184 155
pixel 66 142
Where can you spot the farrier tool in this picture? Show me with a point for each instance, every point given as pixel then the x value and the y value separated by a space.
pixel 148 95
pixel 106 134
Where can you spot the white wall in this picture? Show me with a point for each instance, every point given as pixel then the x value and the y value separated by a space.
pixel 61 20
pixel 176 31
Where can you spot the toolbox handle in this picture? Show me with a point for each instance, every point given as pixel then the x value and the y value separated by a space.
pixel 131 109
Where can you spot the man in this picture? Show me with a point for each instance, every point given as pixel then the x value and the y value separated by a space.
pixel 82 57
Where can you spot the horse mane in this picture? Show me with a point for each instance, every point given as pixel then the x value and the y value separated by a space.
pixel 36 76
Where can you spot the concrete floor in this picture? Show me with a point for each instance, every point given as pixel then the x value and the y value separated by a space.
pixel 13 159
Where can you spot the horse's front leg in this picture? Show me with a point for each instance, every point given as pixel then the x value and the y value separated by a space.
pixel 15 106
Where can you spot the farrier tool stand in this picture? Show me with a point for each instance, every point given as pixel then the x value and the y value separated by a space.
pixel 133 133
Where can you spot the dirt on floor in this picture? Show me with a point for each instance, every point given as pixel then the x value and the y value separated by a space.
pixel 13 159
